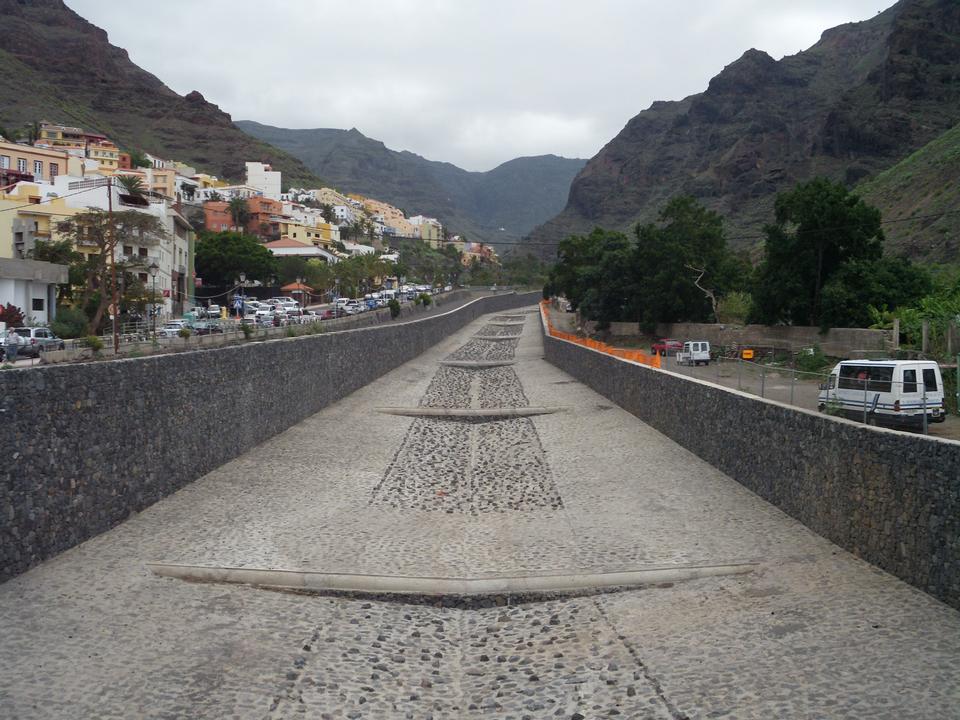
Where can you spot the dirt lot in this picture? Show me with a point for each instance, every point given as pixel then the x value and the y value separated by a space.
pixel 782 385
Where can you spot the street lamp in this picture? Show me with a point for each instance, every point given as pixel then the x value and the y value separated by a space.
pixel 243 295
pixel 153 270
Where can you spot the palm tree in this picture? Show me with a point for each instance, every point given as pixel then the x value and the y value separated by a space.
pixel 237 207
pixel 132 184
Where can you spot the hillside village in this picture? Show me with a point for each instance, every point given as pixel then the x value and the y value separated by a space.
pixel 61 173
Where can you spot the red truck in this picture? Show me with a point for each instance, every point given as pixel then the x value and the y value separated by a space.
pixel 665 346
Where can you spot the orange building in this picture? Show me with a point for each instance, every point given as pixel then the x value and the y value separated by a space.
pixel 261 221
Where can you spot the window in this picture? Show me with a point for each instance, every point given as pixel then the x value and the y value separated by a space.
pixel 143 277
pixel 37 305
pixel 38 168
pixel 909 381
pixel 930 379
pixel 873 378
pixel 54 170
pixel 128 249
pixel 142 252
pixel 21 165
pixel 4 162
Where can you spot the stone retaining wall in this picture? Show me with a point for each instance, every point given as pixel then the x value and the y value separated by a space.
pixel 85 445
pixel 891 498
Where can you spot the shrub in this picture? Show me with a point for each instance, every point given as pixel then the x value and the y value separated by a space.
pixel 812 360
pixel 69 323
pixel 291 331
pixel 94 343
pixel 425 299
pixel 185 333
pixel 247 331
pixel 733 308
pixel 394 306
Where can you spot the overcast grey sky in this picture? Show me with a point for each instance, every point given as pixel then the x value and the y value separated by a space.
pixel 472 82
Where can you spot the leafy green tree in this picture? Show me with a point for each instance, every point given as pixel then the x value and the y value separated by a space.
pixel 819 226
pixel 578 260
pixel 222 256
pixel 103 232
pixel 69 323
pixel 860 288
pixel 138 159
pixel 60 252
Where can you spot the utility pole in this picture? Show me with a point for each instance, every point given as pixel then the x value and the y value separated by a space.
pixel 113 263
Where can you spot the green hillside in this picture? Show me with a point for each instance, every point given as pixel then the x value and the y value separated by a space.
pixel 925 184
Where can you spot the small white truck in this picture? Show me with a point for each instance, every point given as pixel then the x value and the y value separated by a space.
pixel 694 352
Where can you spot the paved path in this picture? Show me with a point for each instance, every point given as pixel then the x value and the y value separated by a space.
pixel 812 633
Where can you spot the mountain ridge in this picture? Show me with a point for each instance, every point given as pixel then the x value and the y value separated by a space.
pixel 866 95
pixel 516 195
pixel 58 66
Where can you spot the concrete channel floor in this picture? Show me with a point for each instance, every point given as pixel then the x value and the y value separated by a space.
pixel 812 633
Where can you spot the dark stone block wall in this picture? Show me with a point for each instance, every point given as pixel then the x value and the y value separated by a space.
pixel 84 446
pixel 890 498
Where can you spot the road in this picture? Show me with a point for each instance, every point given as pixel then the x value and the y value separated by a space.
pixel 811 632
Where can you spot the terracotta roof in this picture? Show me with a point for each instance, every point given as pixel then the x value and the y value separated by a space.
pixel 296 286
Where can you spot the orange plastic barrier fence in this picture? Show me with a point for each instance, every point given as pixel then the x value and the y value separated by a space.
pixel 637 356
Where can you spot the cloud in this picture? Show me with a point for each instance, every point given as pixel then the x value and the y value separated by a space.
pixel 473 83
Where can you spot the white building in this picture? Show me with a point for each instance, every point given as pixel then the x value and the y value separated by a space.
pixel 265 179
pixel 228 192
pixel 31 285
pixel 344 214
pixel 287 247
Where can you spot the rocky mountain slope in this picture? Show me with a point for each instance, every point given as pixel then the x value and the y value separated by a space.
pixel 514 196
pixel 925 186
pixel 864 97
pixel 55 65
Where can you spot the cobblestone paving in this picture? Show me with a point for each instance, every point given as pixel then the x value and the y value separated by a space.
pixel 812 633
pixel 470 466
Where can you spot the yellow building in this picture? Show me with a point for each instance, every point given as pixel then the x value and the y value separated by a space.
pixel 42 163
pixel 106 154
pixel 324 235
pixel 392 217
pixel 209 181
pixel 31 221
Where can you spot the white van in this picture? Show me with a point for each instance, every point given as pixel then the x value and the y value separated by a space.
pixel 886 392
pixel 694 353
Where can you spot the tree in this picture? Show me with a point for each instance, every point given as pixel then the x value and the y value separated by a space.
pixel 239 212
pixel 11 315
pixel 818 227
pixel 214 196
pixel 222 256
pixel 59 252
pixel 103 232
pixel 859 289
pixel 132 184
pixel 138 159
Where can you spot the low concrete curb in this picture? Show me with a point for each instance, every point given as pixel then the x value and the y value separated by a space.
pixel 477 363
pixel 495 337
pixel 558 582
pixel 469 412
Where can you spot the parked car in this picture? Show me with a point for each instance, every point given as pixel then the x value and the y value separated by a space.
pixel 694 353
pixel 886 392
pixel 353 307
pixel 205 327
pixel 666 346
pixel 213 311
pixel 173 328
pixel 198 311
pixel 36 340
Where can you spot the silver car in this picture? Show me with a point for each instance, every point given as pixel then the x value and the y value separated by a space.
pixel 36 340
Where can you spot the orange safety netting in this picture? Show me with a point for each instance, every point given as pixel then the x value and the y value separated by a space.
pixel 637 356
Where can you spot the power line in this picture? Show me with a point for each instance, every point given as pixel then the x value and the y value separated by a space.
pixel 51 199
